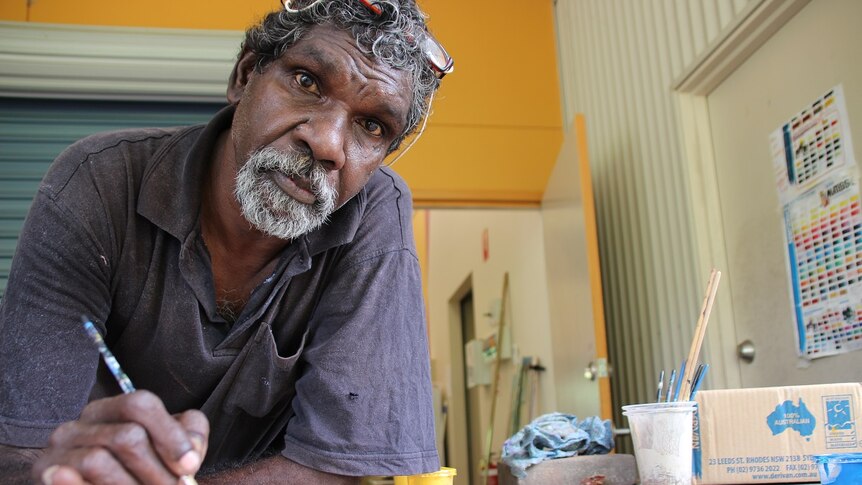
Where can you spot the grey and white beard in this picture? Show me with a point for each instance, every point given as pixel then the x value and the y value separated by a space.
pixel 271 211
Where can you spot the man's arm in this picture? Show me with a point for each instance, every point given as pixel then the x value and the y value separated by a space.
pixel 276 469
pixel 78 447
pixel 15 464
pixel 124 439
pixel 364 401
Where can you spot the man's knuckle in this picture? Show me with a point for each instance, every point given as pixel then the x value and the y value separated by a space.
pixel 142 402
pixel 95 460
pixel 199 420
pixel 129 437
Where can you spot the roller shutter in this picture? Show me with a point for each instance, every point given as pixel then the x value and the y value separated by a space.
pixel 34 131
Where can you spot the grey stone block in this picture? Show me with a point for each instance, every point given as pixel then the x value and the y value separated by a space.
pixel 616 469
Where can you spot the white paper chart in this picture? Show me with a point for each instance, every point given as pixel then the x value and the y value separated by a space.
pixel 824 233
pixel 818 186
pixel 812 144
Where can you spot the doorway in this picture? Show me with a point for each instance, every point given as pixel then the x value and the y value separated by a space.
pixel 471 394
pixel 463 433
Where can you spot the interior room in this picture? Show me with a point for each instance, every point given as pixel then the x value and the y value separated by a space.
pixel 584 169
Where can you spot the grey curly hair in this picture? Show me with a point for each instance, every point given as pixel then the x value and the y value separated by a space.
pixel 393 37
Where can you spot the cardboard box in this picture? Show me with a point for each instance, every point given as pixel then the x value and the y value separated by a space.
pixel 768 435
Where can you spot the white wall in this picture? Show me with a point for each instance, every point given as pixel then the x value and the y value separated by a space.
pixel 455 254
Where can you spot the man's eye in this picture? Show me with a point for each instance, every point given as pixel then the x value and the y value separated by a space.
pixel 372 127
pixel 306 82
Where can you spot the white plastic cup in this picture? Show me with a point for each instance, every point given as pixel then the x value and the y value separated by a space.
pixel 661 433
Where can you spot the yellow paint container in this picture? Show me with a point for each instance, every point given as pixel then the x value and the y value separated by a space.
pixel 444 476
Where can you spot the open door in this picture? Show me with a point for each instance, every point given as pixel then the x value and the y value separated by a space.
pixel 812 52
pixel 582 378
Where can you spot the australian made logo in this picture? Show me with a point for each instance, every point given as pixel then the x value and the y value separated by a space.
pixel 840 421
pixel 792 416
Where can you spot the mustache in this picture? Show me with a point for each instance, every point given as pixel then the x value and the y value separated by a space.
pixel 294 162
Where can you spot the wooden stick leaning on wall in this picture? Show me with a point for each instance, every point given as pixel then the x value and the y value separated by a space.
pixel 699 332
pixel 495 385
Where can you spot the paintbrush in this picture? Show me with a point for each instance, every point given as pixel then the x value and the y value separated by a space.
pixel 698 378
pixel 700 331
pixel 680 375
pixel 121 377
pixel 670 386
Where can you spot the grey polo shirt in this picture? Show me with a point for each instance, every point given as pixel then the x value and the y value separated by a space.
pixel 328 360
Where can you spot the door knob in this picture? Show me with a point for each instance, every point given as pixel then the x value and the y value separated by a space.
pixel 599 368
pixel 591 372
pixel 745 350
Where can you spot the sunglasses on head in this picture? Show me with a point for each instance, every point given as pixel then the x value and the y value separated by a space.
pixel 438 59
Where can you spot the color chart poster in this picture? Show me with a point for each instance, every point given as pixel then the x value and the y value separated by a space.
pixel 824 233
pixel 818 185
pixel 812 144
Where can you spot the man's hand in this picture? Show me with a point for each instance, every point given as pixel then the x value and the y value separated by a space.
pixel 129 438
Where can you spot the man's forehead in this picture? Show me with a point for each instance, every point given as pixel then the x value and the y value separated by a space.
pixel 334 52
pixel 330 45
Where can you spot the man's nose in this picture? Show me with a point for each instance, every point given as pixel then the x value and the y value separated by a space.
pixel 326 135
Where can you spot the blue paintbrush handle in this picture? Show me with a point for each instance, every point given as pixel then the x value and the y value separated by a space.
pixel 111 361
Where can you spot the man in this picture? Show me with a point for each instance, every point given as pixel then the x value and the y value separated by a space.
pixel 256 277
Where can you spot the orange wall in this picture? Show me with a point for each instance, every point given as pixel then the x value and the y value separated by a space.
pixel 185 14
pixel 496 128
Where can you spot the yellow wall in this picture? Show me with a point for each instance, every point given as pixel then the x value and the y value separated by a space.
pixel 184 14
pixel 13 10
pixel 496 128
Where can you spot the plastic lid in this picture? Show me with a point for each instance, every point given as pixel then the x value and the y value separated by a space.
pixel 442 472
pixel 654 407
pixel 839 458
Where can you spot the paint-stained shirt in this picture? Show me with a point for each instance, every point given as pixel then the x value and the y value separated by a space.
pixel 328 361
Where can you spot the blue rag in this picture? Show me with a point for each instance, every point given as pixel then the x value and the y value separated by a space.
pixel 556 435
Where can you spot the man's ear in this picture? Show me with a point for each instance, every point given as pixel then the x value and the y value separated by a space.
pixel 240 75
